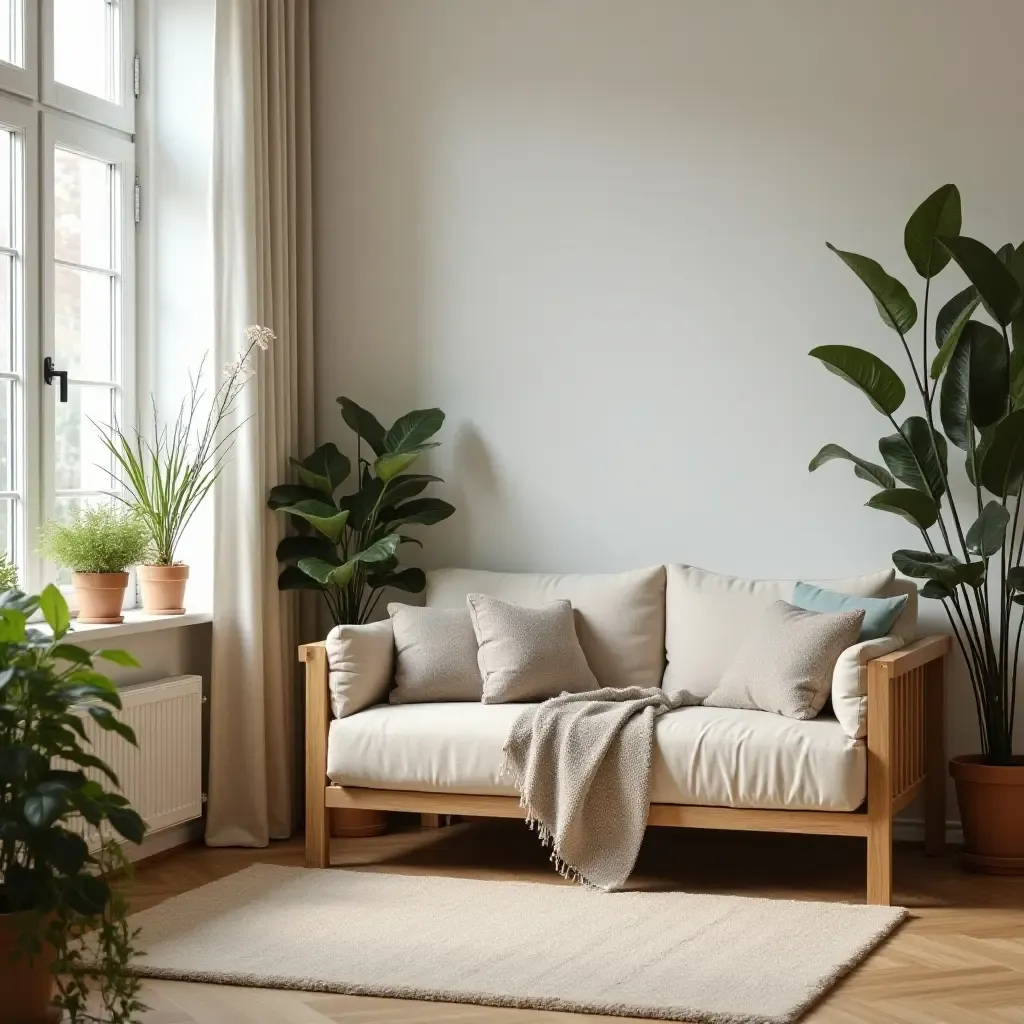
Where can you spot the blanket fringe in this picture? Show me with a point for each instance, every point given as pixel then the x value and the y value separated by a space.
pixel 534 823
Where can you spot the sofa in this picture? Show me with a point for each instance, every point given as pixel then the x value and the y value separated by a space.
pixel 877 745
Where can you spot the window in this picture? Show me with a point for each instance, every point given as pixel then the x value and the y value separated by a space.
pixel 67 241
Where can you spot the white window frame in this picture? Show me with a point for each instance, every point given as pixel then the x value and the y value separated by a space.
pixel 23 77
pixel 20 117
pixel 119 115
pixel 91 141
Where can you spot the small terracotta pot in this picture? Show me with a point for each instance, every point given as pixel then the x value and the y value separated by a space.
pixel 991 799
pixel 163 589
pixel 26 984
pixel 100 596
pixel 354 822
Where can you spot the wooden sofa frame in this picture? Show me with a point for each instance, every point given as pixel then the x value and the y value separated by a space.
pixel 906 756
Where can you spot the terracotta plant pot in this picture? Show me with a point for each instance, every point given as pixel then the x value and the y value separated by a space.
pixel 352 823
pixel 991 799
pixel 163 589
pixel 100 596
pixel 27 985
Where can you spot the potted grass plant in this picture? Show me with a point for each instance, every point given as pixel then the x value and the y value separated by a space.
pixel 967 369
pixel 167 477
pixel 99 544
pixel 65 944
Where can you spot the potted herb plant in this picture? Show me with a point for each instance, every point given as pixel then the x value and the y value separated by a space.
pixel 346 548
pixel 967 369
pixel 98 544
pixel 166 478
pixel 8 574
pixel 63 932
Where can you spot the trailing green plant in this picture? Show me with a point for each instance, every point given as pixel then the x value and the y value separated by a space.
pixel 8 574
pixel 167 478
pixel 347 548
pixel 968 374
pixel 97 538
pixel 60 887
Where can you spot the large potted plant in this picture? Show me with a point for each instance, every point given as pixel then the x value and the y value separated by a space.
pixel 99 544
pixel 967 369
pixel 63 929
pixel 346 548
pixel 167 477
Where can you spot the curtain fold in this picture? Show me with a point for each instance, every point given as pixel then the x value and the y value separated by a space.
pixel 262 249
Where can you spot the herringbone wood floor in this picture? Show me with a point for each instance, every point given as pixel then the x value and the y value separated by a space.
pixel 959 960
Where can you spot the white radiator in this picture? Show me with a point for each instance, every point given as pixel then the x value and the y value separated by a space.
pixel 162 776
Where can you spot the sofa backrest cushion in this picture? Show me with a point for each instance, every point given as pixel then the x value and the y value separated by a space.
pixel 708 616
pixel 620 617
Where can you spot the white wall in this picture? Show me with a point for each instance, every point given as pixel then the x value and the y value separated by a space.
pixel 593 231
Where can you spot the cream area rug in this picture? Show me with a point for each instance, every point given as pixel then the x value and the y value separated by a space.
pixel 661 955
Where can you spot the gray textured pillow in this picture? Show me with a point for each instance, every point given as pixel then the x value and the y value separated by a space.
pixel 435 655
pixel 527 653
pixel 785 666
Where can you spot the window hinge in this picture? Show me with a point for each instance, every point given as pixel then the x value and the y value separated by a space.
pixel 137 72
pixel 138 201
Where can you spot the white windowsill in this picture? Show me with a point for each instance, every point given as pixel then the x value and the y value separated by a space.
pixel 134 622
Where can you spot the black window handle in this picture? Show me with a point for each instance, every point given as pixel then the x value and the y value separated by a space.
pixel 49 372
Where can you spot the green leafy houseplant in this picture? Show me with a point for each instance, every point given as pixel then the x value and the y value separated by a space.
pixel 8 574
pixel 969 375
pixel 97 539
pixel 55 891
pixel 346 548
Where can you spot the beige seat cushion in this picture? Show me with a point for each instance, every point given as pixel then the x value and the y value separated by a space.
pixel 708 617
pixel 703 756
pixel 620 617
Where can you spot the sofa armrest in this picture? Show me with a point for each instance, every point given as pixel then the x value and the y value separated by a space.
pixel 915 655
pixel 850 682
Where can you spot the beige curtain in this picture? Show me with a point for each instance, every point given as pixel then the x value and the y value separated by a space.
pixel 262 267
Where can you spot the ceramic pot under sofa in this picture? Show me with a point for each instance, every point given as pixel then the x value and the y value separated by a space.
pixel 100 596
pixel 354 822
pixel 991 799
pixel 163 589
pixel 26 985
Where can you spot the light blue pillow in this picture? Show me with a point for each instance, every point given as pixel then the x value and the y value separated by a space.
pixel 879 612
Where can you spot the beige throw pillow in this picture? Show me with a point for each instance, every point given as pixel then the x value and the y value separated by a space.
pixel 785 665
pixel 525 653
pixel 435 655
pixel 360 660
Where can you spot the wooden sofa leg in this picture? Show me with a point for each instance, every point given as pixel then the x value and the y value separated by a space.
pixel 879 862
pixel 935 762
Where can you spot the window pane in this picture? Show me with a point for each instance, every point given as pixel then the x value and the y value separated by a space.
pixel 6 312
pixel 83 323
pixel 7 197
pixel 82 209
pixel 83 52
pixel 6 435
pixel 10 44
pixel 81 459
pixel 7 528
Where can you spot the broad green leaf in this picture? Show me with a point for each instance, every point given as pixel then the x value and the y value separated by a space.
pixel 69 652
pixel 413 429
pixel 379 551
pixel 55 610
pixel 12 626
pixel 977 383
pixel 364 423
pixel 321 516
pixel 986 271
pixel 128 823
pixel 987 533
pixel 869 471
pixel 412 581
pixel 107 721
pixel 66 851
pixel 325 470
pixel 913 505
pixel 866 371
pixel 897 309
pixel 291 549
pixel 949 323
pixel 390 464
pixel 327 574
pixel 43 809
pixel 401 488
pixel 1015 578
pixel 938 215
pixel 1002 466
pixel 291 494
pixel 426 511
pixel 118 657
pixel 410 540
pixel 911 457
pixel 88 895
pixel 293 578
pixel 1017 324
pixel 934 565
pixel 935 590
pixel 361 504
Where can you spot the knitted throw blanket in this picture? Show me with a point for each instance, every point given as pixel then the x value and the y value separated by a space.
pixel 582 765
